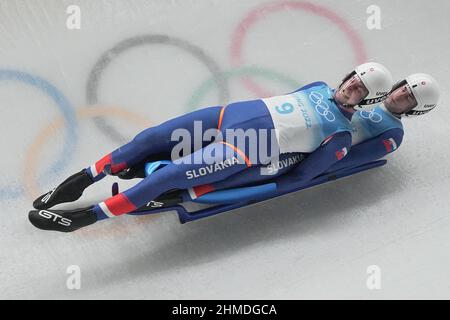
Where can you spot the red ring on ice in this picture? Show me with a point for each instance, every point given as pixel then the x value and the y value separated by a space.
pixel 264 10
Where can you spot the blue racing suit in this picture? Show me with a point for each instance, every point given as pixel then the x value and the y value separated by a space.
pixel 375 134
pixel 307 121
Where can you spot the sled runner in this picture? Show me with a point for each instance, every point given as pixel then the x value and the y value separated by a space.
pixel 229 199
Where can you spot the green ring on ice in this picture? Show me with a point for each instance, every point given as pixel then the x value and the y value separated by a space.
pixel 253 71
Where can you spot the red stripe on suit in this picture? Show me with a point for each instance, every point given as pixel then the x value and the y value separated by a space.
pixel 119 204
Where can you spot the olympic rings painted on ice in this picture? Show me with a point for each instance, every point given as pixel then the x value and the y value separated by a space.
pixel 108 57
pixel 218 77
pixel 208 84
pixel 65 108
pixel 30 163
pixel 260 12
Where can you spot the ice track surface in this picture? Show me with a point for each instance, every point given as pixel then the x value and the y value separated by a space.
pixel 69 96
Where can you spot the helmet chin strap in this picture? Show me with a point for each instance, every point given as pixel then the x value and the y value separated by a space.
pixel 404 114
pixel 395 114
pixel 344 108
pixel 343 105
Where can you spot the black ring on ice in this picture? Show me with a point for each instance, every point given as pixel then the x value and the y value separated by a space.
pixel 96 73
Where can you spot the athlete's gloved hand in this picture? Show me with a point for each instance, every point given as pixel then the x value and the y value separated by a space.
pixel 70 190
pixel 137 171
pixel 62 220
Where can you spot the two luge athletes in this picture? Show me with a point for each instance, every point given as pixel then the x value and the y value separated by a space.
pixel 315 121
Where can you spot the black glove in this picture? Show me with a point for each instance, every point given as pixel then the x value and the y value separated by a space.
pixel 137 171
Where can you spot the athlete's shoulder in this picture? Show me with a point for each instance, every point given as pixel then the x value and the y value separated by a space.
pixel 378 117
pixel 389 117
pixel 244 104
pixel 396 132
pixel 317 84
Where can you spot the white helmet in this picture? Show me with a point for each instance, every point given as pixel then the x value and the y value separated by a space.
pixel 425 90
pixel 377 79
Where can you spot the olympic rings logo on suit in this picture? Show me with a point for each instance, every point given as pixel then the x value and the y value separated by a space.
pixel 371 115
pixel 321 106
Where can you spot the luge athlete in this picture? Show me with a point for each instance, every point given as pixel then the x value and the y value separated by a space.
pixel 380 131
pixel 313 120
pixel 376 133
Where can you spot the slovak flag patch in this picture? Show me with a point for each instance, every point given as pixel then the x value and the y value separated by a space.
pixel 390 145
pixel 340 154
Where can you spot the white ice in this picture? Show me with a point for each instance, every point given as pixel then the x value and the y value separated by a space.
pixel 316 243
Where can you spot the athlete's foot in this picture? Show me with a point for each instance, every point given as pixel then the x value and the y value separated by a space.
pixel 62 220
pixel 70 190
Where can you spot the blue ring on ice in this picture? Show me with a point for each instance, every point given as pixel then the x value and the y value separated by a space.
pixel 68 112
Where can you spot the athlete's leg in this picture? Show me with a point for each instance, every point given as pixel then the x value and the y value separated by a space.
pixel 149 143
pixel 252 176
pixel 215 162
pixel 252 131
pixel 155 140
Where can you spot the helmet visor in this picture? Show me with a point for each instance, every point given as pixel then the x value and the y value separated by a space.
pixel 401 99
pixel 352 91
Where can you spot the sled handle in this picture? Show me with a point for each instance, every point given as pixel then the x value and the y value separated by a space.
pixel 151 167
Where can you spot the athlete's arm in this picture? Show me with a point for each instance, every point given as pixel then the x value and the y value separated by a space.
pixel 317 83
pixel 332 150
pixel 372 149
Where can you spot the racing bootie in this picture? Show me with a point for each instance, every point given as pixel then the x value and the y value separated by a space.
pixel 70 190
pixel 62 220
